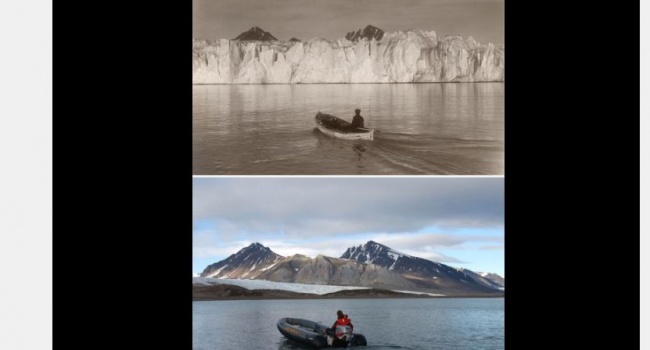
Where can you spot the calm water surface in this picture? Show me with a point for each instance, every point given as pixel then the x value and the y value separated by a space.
pixel 387 323
pixel 437 129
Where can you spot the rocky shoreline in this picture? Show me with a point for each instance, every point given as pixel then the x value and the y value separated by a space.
pixel 232 292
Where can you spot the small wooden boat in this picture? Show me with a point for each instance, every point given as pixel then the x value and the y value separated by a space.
pixel 315 335
pixel 339 128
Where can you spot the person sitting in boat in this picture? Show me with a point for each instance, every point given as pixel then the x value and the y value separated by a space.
pixel 341 320
pixel 357 120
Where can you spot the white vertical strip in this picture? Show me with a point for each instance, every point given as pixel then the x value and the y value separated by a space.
pixel 26 174
pixel 645 173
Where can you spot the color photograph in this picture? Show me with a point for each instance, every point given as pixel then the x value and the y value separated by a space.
pixel 277 258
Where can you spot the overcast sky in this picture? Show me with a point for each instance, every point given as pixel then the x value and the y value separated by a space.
pixel 332 19
pixel 456 221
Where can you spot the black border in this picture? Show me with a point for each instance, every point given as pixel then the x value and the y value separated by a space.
pixel 572 175
pixel 122 182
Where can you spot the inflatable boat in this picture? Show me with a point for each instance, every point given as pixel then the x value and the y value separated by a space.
pixel 313 334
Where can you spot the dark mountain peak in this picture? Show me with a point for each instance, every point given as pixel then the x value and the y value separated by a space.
pixel 295 39
pixel 253 249
pixel 369 32
pixel 246 259
pixel 384 256
pixel 370 27
pixel 372 252
pixel 255 33
pixel 255 245
pixel 374 244
pixel 378 254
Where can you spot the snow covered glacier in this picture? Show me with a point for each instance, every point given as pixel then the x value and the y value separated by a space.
pixel 399 57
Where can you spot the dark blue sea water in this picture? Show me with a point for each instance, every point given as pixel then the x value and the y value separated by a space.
pixel 422 324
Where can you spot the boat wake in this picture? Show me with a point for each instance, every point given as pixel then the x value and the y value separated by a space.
pixel 398 153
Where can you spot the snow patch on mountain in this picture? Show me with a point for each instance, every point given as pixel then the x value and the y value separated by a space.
pixel 420 293
pixel 395 254
pixel 268 267
pixel 216 272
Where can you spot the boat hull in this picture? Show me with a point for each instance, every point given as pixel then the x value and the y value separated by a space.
pixel 339 128
pixel 313 334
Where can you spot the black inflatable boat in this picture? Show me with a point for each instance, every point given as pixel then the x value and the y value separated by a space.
pixel 314 334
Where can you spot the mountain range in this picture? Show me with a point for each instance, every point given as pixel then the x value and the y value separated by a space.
pixel 258 34
pixel 371 265
pixel 369 32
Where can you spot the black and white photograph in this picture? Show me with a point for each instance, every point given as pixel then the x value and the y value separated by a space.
pixel 340 87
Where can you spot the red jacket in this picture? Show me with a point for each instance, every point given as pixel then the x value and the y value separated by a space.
pixel 343 321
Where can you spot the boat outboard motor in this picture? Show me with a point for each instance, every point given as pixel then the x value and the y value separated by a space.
pixel 343 333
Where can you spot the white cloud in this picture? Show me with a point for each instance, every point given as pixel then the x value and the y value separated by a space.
pixel 312 207
pixel 493 247
pixel 437 257
pixel 312 216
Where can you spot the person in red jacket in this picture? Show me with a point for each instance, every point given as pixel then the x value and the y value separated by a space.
pixel 342 320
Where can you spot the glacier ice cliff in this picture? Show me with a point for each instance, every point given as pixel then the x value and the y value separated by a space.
pixel 399 57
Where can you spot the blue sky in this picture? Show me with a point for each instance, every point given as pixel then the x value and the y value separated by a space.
pixel 455 221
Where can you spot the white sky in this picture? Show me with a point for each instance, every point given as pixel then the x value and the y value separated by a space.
pixel 332 19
